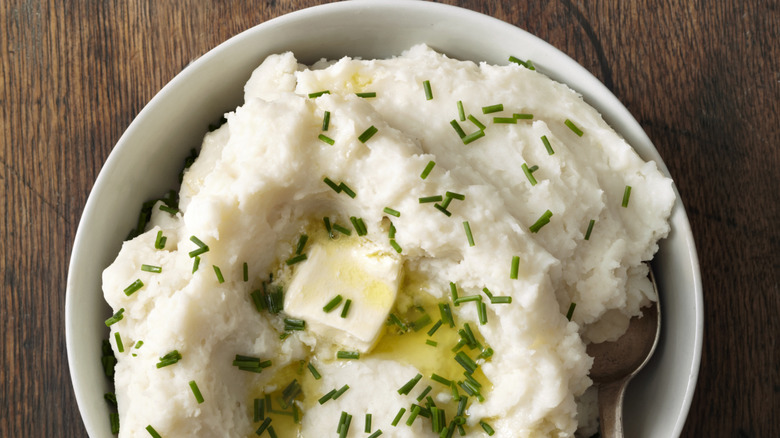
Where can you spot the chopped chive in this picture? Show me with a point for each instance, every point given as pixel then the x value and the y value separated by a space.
pixel 543 220
pixel 437 378
pixel 432 343
pixel 457 128
pixel 336 188
pixel 435 327
pixel 195 264
pixel 505 120
pixel 515 267
pixel 408 386
pixel 394 319
pixel 347 190
pixel 429 199
pixel 428 92
pixel 487 292
pixel 263 426
pixel 461 112
pixel 486 353
pixel 469 236
pixel 489 430
pixel 547 145
pixel 328 228
pixel 398 417
pixel 333 303
pixel 570 313
pixel 314 372
pixel 391 231
pixel 345 309
pixel 446 314
pixel 152 432
pixel 291 324
pixel 590 228
pixel 367 428
pixel 481 126
pixel 326 121
pixel 341 354
pixel 327 396
pixel 528 174
pixel 167 209
pixel 473 136
pixel 359 225
pixel 169 359
pixel 482 312
pixel 626 195
pixel 468 298
pixel 116 317
pixel 573 127
pixel 151 268
pixel 366 94
pixel 289 393
pixel 392 212
pixel 396 246
pixel 424 393
pixel 427 170
pixel 376 434
pixel 119 345
pixel 318 93
pixel 202 247
pixel 413 415
pixel 134 287
pixel 367 134
pixel 446 202
pixel 527 64
pixel 454 292
pixel 138 344
pixel 159 242
pixel 492 109
pixel 326 139
pixel 533 168
pixel 341 391
pixel 501 300
pixel 272 432
pixel 522 116
pixel 113 418
pixel 442 209
pixel 196 391
pixel 454 195
pixel 341 229
pixel 259 410
pixel 218 273
pixel 454 391
pixel 245 272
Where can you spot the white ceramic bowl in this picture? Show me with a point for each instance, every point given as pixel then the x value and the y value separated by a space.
pixel 146 161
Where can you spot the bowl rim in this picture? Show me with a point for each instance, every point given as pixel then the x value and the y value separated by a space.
pixel 593 91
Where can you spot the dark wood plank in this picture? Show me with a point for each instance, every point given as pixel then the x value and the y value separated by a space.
pixel 701 77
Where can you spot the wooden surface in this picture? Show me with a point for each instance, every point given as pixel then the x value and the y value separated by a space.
pixel 702 78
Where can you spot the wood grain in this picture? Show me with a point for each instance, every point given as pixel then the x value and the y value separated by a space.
pixel 702 78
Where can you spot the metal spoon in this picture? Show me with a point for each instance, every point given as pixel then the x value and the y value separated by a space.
pixel 616 363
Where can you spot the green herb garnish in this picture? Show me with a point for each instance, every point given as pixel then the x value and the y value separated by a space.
pixel 296 259
pixel 461 112
pixel 152 432
pixel 196 392
pixel 345 309
pixel 318 93
pixel 119 345
pixel 456 126
pixel 367 134
pixel 116 317
pixel 159 242
pixel 333 303
pixel 473 136
pixel 626 195
pixel 326 139
pixel 527 64
pixel 134 287
pixel 326 121
pixel 522 116
pixel 573 127
pixel 590 229
pixel 542 221
pixel 366 94
pixel 427 88
pixel 570 313
pixel 218 273
pixel 515 267
pixel 398 416
pixel 202 247
pixel 169 359
pixel 408 386
pixel 492 109
pixel 392 212
pixel 528 174
pixel 427 170
pixel 341 354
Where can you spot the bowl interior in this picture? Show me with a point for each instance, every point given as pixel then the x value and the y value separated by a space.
pixel 146 161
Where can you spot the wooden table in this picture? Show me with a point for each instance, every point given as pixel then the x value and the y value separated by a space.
pixel 702 79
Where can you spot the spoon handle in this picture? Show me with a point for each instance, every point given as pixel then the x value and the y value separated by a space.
pixel 611 408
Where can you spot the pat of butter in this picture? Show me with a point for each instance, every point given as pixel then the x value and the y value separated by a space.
pixel 356 270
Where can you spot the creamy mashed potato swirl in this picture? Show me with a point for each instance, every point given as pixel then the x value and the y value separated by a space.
pixel 262 181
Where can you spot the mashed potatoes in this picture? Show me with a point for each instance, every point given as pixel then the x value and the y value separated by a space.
pixel 393 242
